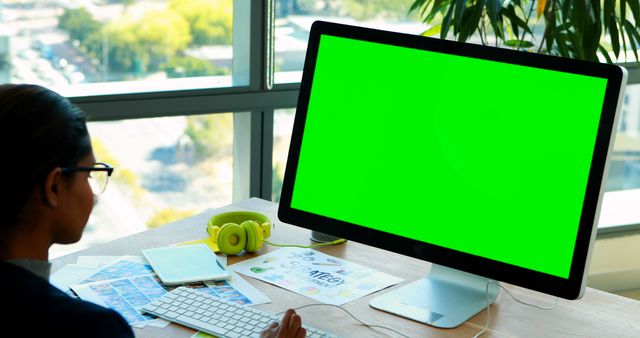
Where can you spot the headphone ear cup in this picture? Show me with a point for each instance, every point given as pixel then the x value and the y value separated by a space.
pixel 255 236
pixel 266 229
pixel 231 238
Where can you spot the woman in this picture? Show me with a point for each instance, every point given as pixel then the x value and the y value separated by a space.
pixel 46 197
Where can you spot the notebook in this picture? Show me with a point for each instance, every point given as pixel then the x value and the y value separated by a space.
pixel 185 264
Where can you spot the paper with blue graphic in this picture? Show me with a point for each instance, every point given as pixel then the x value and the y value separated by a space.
pixel 128 283
pixel 316 275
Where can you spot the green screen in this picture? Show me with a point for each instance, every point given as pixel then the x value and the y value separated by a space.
pixel 483 157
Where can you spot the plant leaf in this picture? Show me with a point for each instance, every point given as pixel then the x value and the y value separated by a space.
pixel 514 24
pixel 446 21
pixel 470 20
pixel 516 21
pixel 609 11
pixel 634 37
pixel 565 8
pixel 518 44
pixel 561 40
pixel 615 37
pixel 416 4
pixel 432 31
pixel 604 53
pixel 635 10
pixel 579 16
pixel 435 8
pixel 576 45
pixel 592 31
pixel 438 6
pixel 622 38
pixel 460 9
pixel 551 32
pixel 541 6
pixel 494 8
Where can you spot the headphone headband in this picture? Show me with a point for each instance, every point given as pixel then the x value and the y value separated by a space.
pixel 238 217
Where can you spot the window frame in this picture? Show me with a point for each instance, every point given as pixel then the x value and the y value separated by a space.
pixel 253 130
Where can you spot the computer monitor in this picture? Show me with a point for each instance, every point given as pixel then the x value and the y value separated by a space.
pixel 487 162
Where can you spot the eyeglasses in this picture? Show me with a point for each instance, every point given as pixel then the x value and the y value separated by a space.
pixel 98 177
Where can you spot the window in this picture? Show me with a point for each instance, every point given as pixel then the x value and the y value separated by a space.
pixel 294 19
pixel 623 183
pixel 166 168
pixel 100 47
pixel 282 126
pixel 143 68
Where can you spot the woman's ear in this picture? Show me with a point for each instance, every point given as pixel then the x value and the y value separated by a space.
pixel 52 188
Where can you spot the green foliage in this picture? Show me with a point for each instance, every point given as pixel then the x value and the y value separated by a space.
pixel 162 34
pixel 124 47
pixel 168 215
pixel 210 22
pixel 212 135
pixel 157 40
pixel 185 66
pixel 79 23
pixel 572 29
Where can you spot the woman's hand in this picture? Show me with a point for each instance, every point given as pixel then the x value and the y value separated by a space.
pixel 289 327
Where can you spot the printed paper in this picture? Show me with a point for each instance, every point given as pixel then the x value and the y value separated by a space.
pixel 127 284
pixel 316 275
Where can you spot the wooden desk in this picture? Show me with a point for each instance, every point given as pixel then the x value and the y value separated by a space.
pixel 598 314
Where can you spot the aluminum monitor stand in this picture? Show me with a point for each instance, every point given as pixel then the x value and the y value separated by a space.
pixel 445 298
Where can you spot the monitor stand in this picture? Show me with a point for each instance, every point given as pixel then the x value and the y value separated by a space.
pixel 445 298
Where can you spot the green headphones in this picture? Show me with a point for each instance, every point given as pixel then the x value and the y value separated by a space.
pixel 232 232
pixel 239 230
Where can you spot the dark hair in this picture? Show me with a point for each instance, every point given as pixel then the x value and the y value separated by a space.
pixel 39 131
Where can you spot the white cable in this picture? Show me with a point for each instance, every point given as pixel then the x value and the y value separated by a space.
pixel 484 329
pixel 550 307
pixel 486 325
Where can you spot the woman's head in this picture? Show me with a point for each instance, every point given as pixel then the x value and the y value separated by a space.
pixel 40 132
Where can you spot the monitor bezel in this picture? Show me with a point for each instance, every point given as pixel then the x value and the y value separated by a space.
pixel 570 288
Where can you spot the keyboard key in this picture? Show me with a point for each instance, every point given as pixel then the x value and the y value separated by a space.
pixel 213 315
pixel 171 314
pixel 152 307
pixel 217 330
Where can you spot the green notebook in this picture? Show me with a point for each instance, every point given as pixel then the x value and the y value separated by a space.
pixel 185 263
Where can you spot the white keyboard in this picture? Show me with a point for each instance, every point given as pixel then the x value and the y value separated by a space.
pixel 215 316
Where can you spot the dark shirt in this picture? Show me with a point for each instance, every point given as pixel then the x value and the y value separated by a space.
pixel 34 308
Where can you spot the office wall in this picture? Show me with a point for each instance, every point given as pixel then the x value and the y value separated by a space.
pixel 615 265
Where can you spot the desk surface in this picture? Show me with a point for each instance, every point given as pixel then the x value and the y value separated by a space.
pixel 597 314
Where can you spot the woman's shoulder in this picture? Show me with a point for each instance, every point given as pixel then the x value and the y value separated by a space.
pixel 34 300
pixel 89 319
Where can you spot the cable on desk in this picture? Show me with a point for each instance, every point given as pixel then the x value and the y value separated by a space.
pixel 484 329
pixel 371 326
pixel 486 325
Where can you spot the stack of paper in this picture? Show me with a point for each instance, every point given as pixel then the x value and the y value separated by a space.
pixel 127 283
